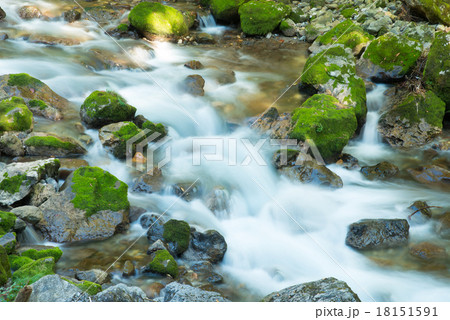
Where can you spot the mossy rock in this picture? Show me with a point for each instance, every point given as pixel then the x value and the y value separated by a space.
pixel 9 241
pixel 177 234
pixel 436 75
pixel 436 11
pixel 32 272
pixel 91 288
pixel 392 56
pixel 105 107
pixel 15 115
pixel 346 33
pixel 12 184
pixel 49 144
pixel 226 10
pixel 24 80
pixel 7 221
pixel 55 253
pixel 5 268
pixel 157 19
pixel 163 263
pixel 18 262
pixel 323 120
pixel 348 12
pixel 260 17
pixel 34 103
pixel 96 190
pixel 123 27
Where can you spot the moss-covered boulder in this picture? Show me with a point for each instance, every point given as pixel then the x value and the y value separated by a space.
pixel 436 11
pixel 5 268
pixel 44 144
pixel 259 17
pixel 105 107
pixel 18 179
pixel 32 272
pixel 55 252
pixel 91 288
pixel 436 75
pixel 15 115
pixel 177 234
pixel 414 121
pixel 8 241
pixel 91 205
pixel 153 18
pixel 163 263
pixel 333 71
pixel 325 122
pixel 18 262
pixel 7 221
pixel 226 10
pixel 390 57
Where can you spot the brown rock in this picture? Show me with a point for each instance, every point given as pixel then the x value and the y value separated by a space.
pixel 428 251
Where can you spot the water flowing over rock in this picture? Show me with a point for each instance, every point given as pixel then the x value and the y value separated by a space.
pixel 194 85
pixel 324 290
pixel 378 234
pixel 30 12
pixel 432 175
pixel 428 251
pixel 176 292
pixel 2 14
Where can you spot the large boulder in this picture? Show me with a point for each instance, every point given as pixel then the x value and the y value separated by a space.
pixel 324 290
pixel 121 293
pixel 53 288
pixel 15 116
pixel 326 123
pixel 91 205
pixel 414 121
pixel 389 57
pixel 177 292
pixel 378 234
pixel 46 144
pixel 226 10
pixel 151 18
pixel 17 179
pixel 436 11
pixel 436 75
pixel 259 17
pixel 105 107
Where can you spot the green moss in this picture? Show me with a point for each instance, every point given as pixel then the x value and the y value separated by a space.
pixel 32 272
pixel 24 80
pixel 12 185
pixel 226 10
pixel 284 25
pixel 260 17
pixel 178 233
pixel 322 120
pixel 391 52
pixel 5 268
pixel 7 221
pixel 436 11
pixel 317 3
pixel 158 127
pixel 37 104
pixel 88 287
pixel 348 13
pixel 123 27
pixel 163 263
pixel 10 243
pixel 125 133
pixel 155 18
pixel 346 33
pixel 296 14
pixel 15 115
pixel 49 141
pixel 18 262
pixel 34 254
pixel 96 190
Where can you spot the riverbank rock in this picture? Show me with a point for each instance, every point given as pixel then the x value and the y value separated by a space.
pixel 5 268
pixel 325 123
pixel 7 222
pixel 273 124
pixel 157 19
pixel 431 175
pixel 46 144
pixel 380 171
pixel 259 17
pixel 194 84
pixel 333 71
pixel 324 290
pixel 436 75
pixel 31 272
pixel 105 107
pixel 53 288
pixel 436 11
pixel 91 205
pixel 17 179
pixel 378 234
pixel 15 115
pixel 177 292
pixel 389 57
pixel 413 122
pixel 226 11
pixel 208 246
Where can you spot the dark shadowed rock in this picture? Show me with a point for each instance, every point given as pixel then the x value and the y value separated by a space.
pixel 210 246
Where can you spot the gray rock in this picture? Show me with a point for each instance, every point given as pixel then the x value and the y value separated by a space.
pixel 121 293
pixel 8 241
pixel 30 214
pixel 152 181
pixel 53 289
pixel 94 275
pixel 210 246
pixel 11 145
pixel 156 246
pixel 324 290
pixel 378 234
pixel 176 292
pixel 19 225
pixel 42 191
pixel 273 124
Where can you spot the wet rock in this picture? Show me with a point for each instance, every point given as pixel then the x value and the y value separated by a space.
pixel 30 12
pixel 378 234
pixel 154 290
pixel 17 179
pixel 8 241
pixel 163 263
pixel 53 288
pixel 420 211
pixel 42 191
pixel 30 214
pixel 194 85
pixel 45 144
pixel 324 290
pixel 187 191
pixel 204 38
pixel 128 269
pixel 431 175
pixel 2 14
pixel 287 27
pixel 381 171
pixel 210 246
pixel 177 235
pixel 94 275
pixel 114 137
pixel 218 201
pixel 176 292
pixel 40 109
pixel 348 161
pixel 428 251
pixel 19 225
pixel 52 41
pixel 194 65
pixel 155 226
pixel 156 246
pixel 91 205
pixel 3 36
pixel 136 213
pixel 226 77
pixel 152 181
pixel 436 11
pixel 204 271
pixel 443 226
pixel 72 15
pixel 273 124
pixel 103 14
pixel 11 144
pixel 121 293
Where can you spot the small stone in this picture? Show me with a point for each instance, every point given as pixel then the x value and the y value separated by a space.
pixel 194 65
pixel 156 246
pixel 128 269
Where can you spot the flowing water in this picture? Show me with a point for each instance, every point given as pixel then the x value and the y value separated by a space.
pixel 278 232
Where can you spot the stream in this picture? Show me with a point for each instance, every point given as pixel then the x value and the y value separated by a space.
pixel 267 250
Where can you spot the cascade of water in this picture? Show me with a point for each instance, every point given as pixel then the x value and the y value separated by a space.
pixel 375 100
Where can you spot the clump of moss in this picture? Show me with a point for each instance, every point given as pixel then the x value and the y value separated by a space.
pixel 5 268
pixel 18 262
pixel 96 190
pixel 37 104
pixel 34 254
pixel 260 17
pixel 158 127
pixel 177 234
pixel 105 107
pixel 15 115
pixel 123 27
pixel 226 10
pixel 322 120
pixel 12 184
pixel 24 80
pixel 88 287
pixel 126 132
pixel 49 141
pixel 346 33
pixel 7 221
pixel 163 263
pixel 155 18
pixel 348 13
pixel 32 272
